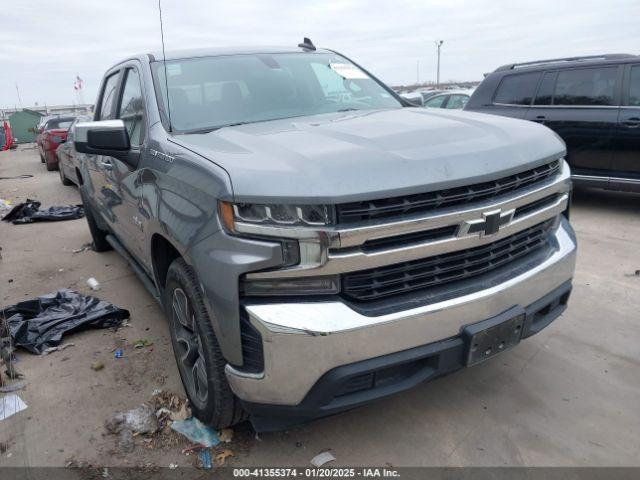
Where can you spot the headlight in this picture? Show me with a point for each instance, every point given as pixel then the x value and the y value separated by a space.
pixel 291 286
pixel 275 214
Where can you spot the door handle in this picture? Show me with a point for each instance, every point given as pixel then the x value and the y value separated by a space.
pixel 106 164
pixel 540 119
pixel 633 122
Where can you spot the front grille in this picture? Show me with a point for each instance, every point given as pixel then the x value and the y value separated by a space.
pixel 367 285
pixel 426 202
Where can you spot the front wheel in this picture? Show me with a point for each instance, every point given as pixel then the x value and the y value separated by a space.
pixel 200 361
pixel 98 235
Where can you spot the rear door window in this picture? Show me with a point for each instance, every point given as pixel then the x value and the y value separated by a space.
pixel 586 87
pixel 436 102
pixel 517 89
pixel 108 97
pixel 545 92
pixel 131 110
pixel 634 86
pixel 457 102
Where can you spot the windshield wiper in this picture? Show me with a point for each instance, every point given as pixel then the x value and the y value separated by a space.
pixel 349 109
pixel 213 129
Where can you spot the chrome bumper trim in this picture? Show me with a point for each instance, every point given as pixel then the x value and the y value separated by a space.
pixel 302 341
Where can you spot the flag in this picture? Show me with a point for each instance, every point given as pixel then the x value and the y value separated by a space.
pixel 77 85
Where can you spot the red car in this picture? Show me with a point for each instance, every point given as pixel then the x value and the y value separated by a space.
pixel 6 137
pixel 50 137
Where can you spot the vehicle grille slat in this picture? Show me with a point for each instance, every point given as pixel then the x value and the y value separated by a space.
pixel 429 201
pixel 446 268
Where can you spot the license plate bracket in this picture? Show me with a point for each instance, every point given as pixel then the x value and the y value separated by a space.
pixel 490 337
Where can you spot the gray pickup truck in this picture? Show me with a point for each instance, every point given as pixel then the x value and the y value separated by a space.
pixel 316 241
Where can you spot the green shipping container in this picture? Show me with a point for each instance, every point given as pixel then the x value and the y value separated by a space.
pixel 21 122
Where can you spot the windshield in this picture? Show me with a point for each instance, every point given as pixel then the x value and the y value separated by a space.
pixel 212 92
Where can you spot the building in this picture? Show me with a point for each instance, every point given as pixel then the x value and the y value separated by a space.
pixel 23 124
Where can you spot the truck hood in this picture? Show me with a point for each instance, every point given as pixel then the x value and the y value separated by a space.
pixel 355 156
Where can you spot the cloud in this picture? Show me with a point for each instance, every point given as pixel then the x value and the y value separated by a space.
pixel 43 49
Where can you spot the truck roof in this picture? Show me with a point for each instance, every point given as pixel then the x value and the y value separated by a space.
pixel 217 51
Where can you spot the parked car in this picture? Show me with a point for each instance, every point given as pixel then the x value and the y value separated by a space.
pixel 7 141
pixel 315 241
pixel 68 157
pixel 450 99
pixel 415 98
pixel 52 135
pixel 427 94
pixel 591 102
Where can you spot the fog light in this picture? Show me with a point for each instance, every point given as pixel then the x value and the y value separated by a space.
pixel 291 286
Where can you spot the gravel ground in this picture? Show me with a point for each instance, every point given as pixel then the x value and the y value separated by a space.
pixel 568 396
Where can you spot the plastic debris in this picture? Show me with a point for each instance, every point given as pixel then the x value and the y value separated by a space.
pixel 10 405
pixel 205 459
pixel 119 353
pixel 13 387
pixel 59 348
pixel 322 458
pixel 140 420
pixel 197 432
pixel 93 283
pixel 226 435
pixel 97 366
pixel 86 246
pixel 143 342
pixel 40 323
pixel 222 455
pixel 173 466
pixel 29 212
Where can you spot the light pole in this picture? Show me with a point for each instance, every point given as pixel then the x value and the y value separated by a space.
pixel 438 45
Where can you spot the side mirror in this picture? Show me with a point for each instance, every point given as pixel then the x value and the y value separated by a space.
pixel 105 137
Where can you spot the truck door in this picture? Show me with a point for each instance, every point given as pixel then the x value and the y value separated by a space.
pixel 625 171
pixel 112 179
pixel 134 216
pixel 580 105
pixel 101 191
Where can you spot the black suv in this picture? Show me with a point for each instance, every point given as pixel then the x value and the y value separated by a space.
pixel 593 103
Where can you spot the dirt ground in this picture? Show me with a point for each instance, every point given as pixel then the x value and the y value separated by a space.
pixel 568 396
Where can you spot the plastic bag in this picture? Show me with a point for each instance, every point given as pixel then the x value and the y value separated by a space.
pixel 40 324
pixel 29 212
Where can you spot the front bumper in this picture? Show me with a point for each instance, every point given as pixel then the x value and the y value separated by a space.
pixel 305 342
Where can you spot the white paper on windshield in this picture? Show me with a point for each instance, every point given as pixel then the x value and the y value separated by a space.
pixel 346 70
pixel 11 404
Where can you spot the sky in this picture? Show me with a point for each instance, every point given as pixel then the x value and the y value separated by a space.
pixel 44 44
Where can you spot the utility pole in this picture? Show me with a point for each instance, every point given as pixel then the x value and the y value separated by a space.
pixel 18 92
pixel 438 45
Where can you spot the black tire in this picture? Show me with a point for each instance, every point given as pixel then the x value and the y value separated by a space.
pixel 51 166
pixel 200 361
pixel 98 235
pixel 63 178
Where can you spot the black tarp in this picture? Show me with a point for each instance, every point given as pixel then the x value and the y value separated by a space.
pixel 29 212
pixel 40 323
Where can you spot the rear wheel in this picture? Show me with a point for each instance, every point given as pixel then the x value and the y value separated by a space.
pixel 98 235
pixel 200 361
pixel 63 178
pixel 51 166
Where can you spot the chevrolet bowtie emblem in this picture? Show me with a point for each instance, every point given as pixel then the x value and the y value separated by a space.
pixel 489 224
